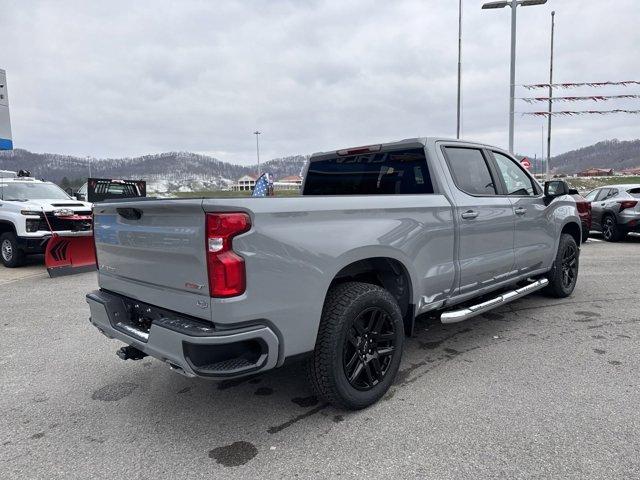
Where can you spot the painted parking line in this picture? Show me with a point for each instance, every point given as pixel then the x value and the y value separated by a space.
pixel 17 278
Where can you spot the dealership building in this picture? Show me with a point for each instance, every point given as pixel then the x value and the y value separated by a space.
pixel 6 142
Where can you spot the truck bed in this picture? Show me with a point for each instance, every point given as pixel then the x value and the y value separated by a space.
pixel 294 249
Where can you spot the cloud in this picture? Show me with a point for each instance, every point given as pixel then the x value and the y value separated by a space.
pixel 126 78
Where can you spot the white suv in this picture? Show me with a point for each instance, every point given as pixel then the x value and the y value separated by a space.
pixel 30 210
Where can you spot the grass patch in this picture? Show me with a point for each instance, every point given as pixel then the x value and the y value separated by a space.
pixel 586 184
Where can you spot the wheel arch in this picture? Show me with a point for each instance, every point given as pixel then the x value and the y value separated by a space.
pixel 7 227
pixel 574 229
pixel 387 272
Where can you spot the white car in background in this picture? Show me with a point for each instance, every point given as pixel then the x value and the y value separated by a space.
pixel 30 211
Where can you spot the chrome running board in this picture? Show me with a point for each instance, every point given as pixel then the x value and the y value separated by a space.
pixel 455 316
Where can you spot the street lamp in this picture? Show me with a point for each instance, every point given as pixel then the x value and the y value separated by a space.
pixel 257 133
pixel 512 87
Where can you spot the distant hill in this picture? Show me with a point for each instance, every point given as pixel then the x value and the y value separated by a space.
pixel 615 154
pixel 184 171
pixel 169 171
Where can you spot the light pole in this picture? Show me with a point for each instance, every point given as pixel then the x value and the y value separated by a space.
pixel 459 64
pixel 257 133
pixel 514 4
pixel 553 27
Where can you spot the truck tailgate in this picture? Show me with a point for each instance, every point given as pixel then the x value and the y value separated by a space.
pixel 154 250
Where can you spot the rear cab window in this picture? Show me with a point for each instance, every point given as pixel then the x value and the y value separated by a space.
pixel 470 170
pixel 397 172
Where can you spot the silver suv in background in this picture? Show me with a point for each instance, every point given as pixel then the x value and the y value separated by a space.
pixel 615 210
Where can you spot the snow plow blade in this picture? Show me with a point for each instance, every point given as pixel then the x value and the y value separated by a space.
pixel 68 255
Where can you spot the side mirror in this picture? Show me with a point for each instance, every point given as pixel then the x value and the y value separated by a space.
pixel 555 188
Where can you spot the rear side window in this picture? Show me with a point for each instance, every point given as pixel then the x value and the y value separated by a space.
pixel 470 171
pixel 634 192
pixel 385 173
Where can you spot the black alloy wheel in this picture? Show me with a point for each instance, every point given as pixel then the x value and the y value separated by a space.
pixel 563 276
pixel 369 348
pixel 569 265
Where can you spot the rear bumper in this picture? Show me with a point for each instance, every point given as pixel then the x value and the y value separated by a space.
pixel 190 346
pixel 629 223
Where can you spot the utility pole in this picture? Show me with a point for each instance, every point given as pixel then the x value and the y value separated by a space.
pixel 512 77
pixel 514 4
pixel 257 133
pixel 459 65
pixel 542 166
pixel 553 26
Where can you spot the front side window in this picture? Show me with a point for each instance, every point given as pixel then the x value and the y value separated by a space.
pixel 514 177
pixel 470 171
pixel 603 194
pixel 382 173
pixel 591 196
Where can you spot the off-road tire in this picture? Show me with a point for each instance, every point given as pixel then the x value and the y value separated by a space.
pixel 558 286
pixel 344 305
pixel 10 254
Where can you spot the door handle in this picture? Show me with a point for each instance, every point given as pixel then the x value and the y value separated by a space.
pixel 520 211
pixel 469 214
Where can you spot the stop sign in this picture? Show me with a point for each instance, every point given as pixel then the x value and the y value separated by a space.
pixel 525 163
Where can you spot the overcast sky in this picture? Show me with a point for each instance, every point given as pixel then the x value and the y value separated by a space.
pixel 112 78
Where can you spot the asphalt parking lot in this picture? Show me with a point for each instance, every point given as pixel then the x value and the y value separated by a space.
pixel 539 388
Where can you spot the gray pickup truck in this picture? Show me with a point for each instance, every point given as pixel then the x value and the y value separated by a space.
pixel 227 287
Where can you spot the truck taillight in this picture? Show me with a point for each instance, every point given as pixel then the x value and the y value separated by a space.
pixel 627 204
pixel 227 275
